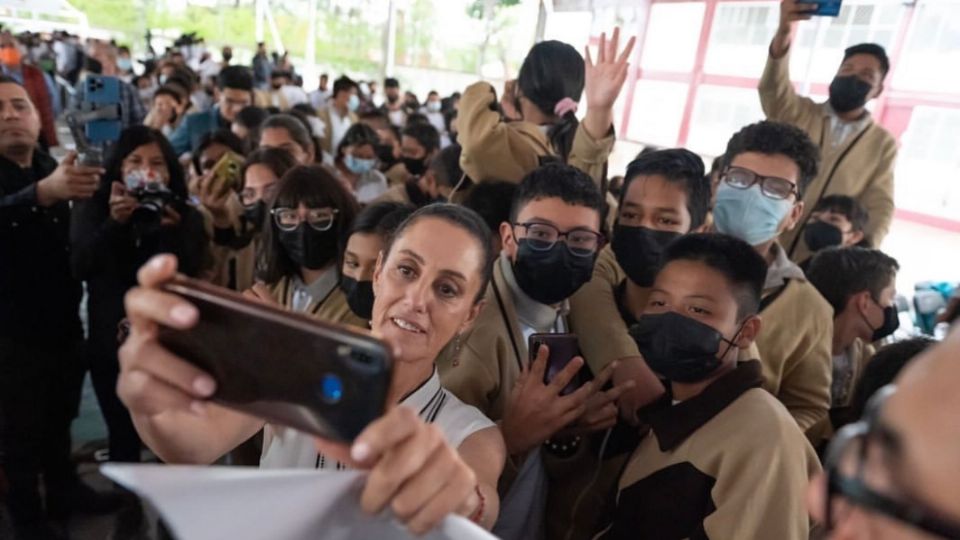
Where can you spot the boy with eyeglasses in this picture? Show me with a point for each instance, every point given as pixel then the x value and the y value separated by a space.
pixel 767 167
pixel 550 245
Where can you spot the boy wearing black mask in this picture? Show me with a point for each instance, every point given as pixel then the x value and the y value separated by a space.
pixel 858 154
pixel 549 249
pixel 837 220
pixel 722 459
pixel 664 196
pixel 860 285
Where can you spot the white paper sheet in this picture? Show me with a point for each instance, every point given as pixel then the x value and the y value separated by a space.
pixel 200 503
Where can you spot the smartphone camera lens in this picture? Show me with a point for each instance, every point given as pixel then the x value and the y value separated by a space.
pixel 331 388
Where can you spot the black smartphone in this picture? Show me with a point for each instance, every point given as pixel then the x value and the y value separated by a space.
pixel 289 369
pixel 563 348
pixel 825 8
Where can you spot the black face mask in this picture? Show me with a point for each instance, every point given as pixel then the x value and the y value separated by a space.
pixel 385 156
pixel 359 296
pixel 820 235
pixel 308 247
pixel 679 348
pixel 415 167
pixel 891 321
pixel 848 93
pixel 550 276
pixel 392 99
pixel 255 214
pixel 638 251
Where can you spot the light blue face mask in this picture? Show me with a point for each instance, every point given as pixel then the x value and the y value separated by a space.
pixel 748 214
pixel 359 166
pixel 354 103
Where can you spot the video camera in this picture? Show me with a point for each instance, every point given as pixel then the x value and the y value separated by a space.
pixel 96 124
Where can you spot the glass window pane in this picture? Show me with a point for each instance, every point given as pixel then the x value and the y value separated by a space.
pixel 719 111
pixel 666 49
pixel 657 112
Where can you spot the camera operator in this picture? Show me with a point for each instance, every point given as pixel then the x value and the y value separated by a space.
pixel 139 210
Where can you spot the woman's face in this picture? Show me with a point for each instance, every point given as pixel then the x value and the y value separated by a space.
pixel 260 184
pixel 147 156
pixel 425 289
pixel 360 257
pixel 166 106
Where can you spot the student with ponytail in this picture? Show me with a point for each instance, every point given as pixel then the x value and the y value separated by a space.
pixel 536 119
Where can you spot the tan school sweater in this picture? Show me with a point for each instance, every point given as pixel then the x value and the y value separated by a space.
pixel 729 463
pixel 498 150
pixel 861 167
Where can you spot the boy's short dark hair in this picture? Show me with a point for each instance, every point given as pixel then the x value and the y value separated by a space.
pixel 882 369
pixel 772 138
pixel 391 82
pixel 425 134
pixel 344 84
pixel 446 166
pixel 678 166
pixel 846 206
pixel 557 180
pixel 872 49
pixel 839 273
pixel 740 264
pixel 492 201
pixel 236 77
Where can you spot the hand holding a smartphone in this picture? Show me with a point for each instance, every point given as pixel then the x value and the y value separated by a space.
pixel 536 410
pixel 791 12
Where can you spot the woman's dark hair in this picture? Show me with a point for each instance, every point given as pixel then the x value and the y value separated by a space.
pixel 425 134
pixel 359 134
pixel 459 216
pixel 251 117
pixel 446 168
pixel 304 108
pixel 130 139
pixel 221 136
pixel 552 71
pixel 277 160
pixel 315 187
pixel 880 371
pixel 298 129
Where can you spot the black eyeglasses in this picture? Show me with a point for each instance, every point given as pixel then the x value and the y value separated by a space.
pixel 771 186
pixel 848 452
pixel 580 242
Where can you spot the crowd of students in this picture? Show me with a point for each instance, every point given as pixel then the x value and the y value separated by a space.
pixel 730 323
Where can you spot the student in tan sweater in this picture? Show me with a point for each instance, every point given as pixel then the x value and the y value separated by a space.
pixel 537 121
pixel 858 154
pixel 860 285
pixel 768 167
pixel 722 458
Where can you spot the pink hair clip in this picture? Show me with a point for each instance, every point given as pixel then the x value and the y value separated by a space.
pixel 564 106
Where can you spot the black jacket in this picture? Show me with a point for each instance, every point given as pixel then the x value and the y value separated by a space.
pixel 107 255
pixel 39 299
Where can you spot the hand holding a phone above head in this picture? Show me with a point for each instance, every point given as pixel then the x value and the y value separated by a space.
pixel 122 204
pixel 535 410
pixel 508 101
pixel 413 471
pixel 791 12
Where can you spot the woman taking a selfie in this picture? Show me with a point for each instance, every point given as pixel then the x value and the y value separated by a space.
pixel 139 211
pixel 426 292
pixel 370 233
